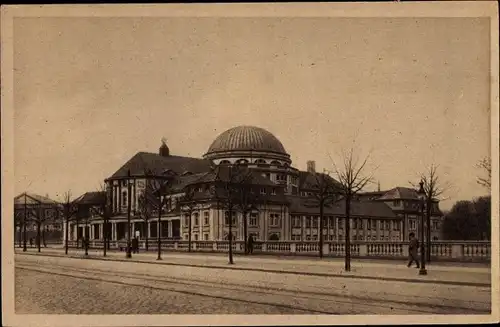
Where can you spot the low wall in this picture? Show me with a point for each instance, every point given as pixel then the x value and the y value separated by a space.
pixel 474 251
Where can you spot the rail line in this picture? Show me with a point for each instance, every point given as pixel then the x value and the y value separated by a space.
pixel 175 284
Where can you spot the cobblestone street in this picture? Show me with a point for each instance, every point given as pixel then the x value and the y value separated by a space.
pixel 54 285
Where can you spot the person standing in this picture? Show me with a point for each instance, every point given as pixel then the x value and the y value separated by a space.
pixel 250 244
pixel 412 250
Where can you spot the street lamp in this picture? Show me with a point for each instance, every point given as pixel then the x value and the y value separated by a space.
pixel 421 197
pixel 129 250
pixel 24 222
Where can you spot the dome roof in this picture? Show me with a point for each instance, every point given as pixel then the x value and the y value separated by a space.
pixel 247 138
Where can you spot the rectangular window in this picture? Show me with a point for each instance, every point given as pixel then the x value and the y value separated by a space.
pixel 205 237
pixel 196 219
pixel 262 191
pixel 226 219
pixel 273 191
pixel 186 221
pixel 196 237
pixel 388 225
pixel 395 225
pixel 296 221
pixel 308 222
pixel 206 216
pixel 397 203
pixel 314 222
pixel 254 219
pixel 275 219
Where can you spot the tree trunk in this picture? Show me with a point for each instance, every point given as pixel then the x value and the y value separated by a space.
pixel 86 245
pixel 245 232
pixel 20 235
pixel 104 235
pixel 230 236
pixel 38 234
pixel 146 236
pixel 428 232
pixel 321 209
pixel 77 236
pixel 158 230
pixel 348 234
pixel 66 233
pixel 189 233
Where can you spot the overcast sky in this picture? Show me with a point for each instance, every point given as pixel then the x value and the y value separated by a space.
pixel 91 92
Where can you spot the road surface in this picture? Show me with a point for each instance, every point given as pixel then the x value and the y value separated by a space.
pixel 60 285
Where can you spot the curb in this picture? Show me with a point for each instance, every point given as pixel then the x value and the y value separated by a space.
pixel 390 279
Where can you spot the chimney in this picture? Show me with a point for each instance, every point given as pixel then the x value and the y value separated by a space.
pixel 164 150
pixel 311 166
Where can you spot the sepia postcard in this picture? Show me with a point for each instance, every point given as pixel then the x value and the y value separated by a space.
pixel 250 164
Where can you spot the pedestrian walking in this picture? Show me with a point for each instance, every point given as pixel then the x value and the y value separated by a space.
pixel 412 250
pixel 134 245
pixel 250 244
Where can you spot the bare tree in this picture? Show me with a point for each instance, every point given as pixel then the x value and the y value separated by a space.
pixel 351 180
pixel 485 166
pixel 247 200
pixel 19 222
pixel 434 189
pixel 102 208
pixel 324 195
pixel 187 206
pixel 147 200
pixel 227 190
pixel 69 211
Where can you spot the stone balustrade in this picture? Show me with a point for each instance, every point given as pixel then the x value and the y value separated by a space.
pixel 479 251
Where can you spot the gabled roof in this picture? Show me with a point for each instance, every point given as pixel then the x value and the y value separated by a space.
pixel 299 205
pixel 308 180
pixel 399 193
pixel 92 198
pixel 32 199
pixel 158 165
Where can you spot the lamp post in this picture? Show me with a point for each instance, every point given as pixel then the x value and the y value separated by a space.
pixel 24 223
pixel 129 250
pixel 158 226
pixel 421 196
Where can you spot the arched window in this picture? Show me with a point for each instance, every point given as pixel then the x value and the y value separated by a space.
pixel 260 161
pixel 225 162
pixel 276 163
pixel 242 162
pixel 274 237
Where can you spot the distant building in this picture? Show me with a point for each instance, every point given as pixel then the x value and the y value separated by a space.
pixel 283 212
pixel 35 209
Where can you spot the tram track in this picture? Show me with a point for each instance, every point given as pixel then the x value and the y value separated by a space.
pixel 303 301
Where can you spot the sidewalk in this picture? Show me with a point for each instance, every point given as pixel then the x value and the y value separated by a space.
pixel 389 271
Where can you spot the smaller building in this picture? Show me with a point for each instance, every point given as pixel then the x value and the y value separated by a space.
pixel 36 212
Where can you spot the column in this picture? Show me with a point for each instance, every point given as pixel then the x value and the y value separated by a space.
pixel 337 235
pixel 148 229
pixel 113 231
pixel 64 232
pixel 365 229
pixel 303 228
pixel 170 231
pixel 101 230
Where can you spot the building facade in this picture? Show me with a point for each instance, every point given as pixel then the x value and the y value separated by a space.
pixel 36 211
pixel 283 211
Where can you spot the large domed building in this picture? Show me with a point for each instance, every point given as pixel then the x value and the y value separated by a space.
pixel 283 213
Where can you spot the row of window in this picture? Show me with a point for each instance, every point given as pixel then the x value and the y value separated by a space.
pixel 341 237
pixel 414 224
pixel 357 223
pixel 257 161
